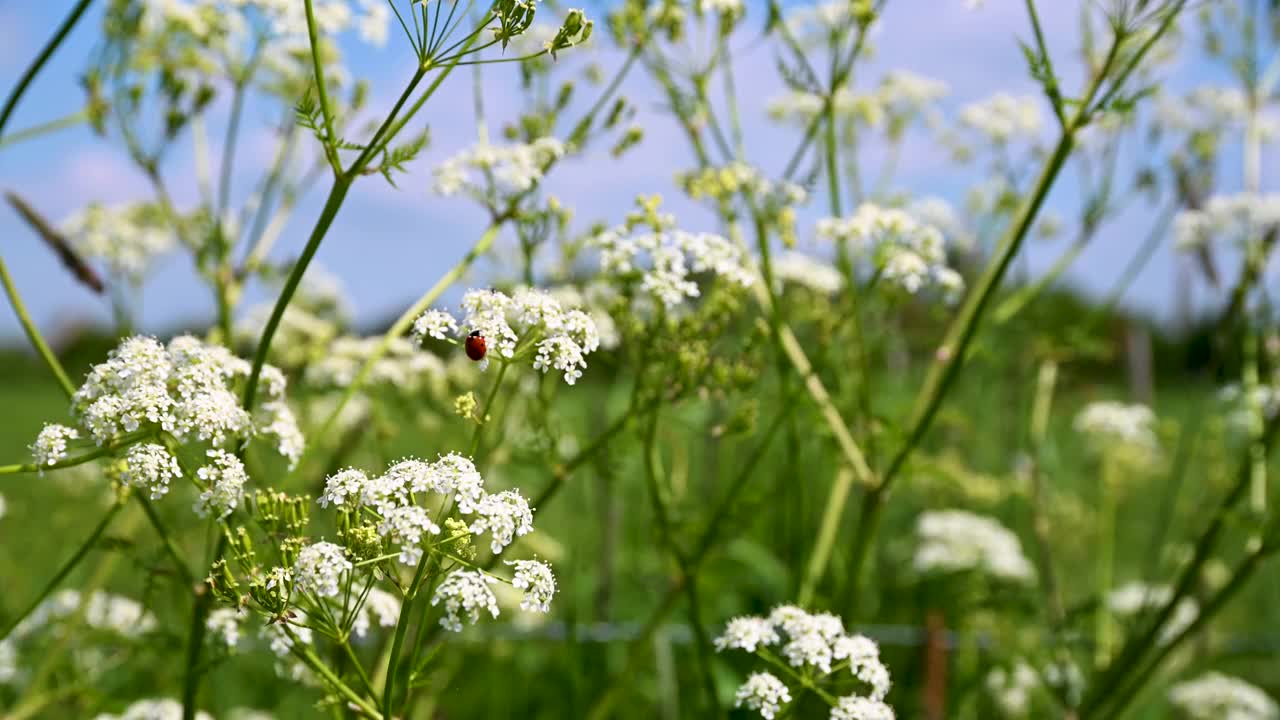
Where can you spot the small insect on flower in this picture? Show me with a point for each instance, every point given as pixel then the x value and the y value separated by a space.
pixel 476 346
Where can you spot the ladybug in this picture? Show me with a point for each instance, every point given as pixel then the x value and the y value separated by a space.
pixel 476 346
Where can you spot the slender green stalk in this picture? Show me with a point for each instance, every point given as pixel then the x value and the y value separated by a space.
pixel 402 627
pixel 331 206
pixel 1105 562
pixel 794 353
pixel 35 131
pixel 488 407
pixel 33 334
pixel 827 532
pixel 308 656
pixel 166 541
pixel 193 672
pixel 122 442
pixel 330 137
pixel 1051 85
pixel 1046 381
pixel 1015 303
pixel 64 571
pixel 50 47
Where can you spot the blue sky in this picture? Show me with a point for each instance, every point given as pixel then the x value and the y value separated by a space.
pixel 388 245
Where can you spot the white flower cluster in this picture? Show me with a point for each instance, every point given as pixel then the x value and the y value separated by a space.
pixel 403 364
pixel 796 268
pixel 537 582
pixel 187 390
pixel 764 693
pixel 957 540
pixel 902 250
pixel 102 611
pixel 1113 423
pixel 50 446
pixel 223 479
pixel 380 605
pixel 153 709
pixel 486 172
pixel 665 259
pixel 465 592
pixel 224 624
pixel 940 213
pixel 1011 688
pixel 393 497
pixel 593 298
pixel 810 642
pixel 150 467
pixel 1248 409
pixel 200 39
pixel 1003 118
pixel 529 321
pixel 1214 696
pixel 319 569
pixel 128 238
pixel 856 707
pixel 900 97
pixel 1242 219
pixel 816 24
pixel 1211 108
pixel 1135 598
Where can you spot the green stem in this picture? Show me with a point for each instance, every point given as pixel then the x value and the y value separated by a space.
pixel 330 138
pixel 331 206
pixel 122 442
pixel 35 131
pixel 488 407
pixel 397 642
pixel 166 541
pixel 38 63
pixel 308 656
pixel 195 638
pixel 1014 304
pixel 1103 631
pixel 827 533
pixel 63 571
pixel 33 334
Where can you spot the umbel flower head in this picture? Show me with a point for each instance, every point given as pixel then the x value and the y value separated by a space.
pixel 1113 424
pixel 1135 598
pixel 129 239
pixel 1215 696
pixel 492 175
pixel 187 389
pixel 464 594
pixel 528 322
pixel 956 540
pixel 663 261
pixel 418 507
pixel 817 645
pixel 897 248
pixel 1243 220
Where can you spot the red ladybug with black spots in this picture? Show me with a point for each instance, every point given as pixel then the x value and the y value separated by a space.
pixel 476 346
